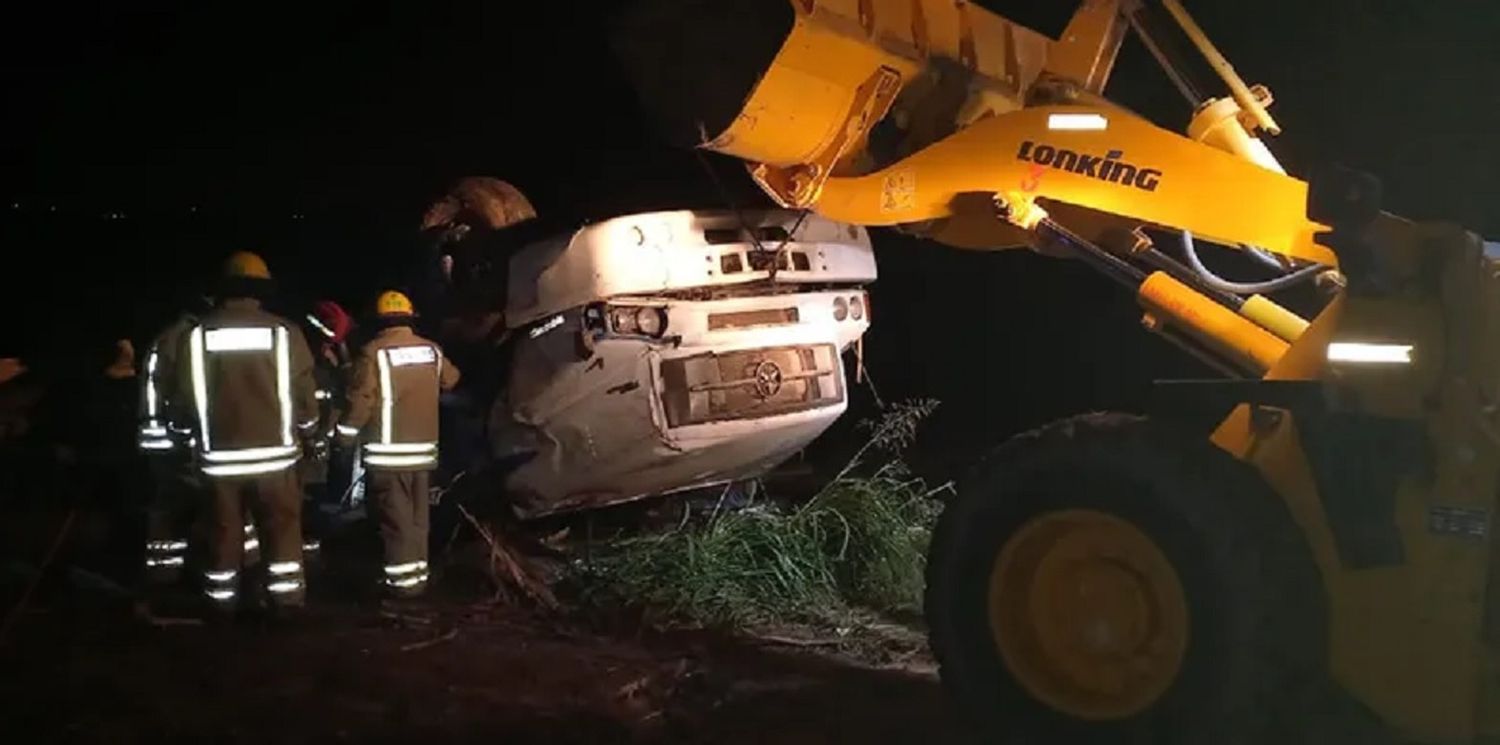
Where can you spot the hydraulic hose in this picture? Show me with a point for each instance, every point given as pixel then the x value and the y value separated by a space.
pixel 1266 257
pixel 1190 253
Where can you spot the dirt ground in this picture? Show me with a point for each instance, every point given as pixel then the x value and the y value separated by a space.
pixel 80 666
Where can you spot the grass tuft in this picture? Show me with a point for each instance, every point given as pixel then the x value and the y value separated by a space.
pixel 861 541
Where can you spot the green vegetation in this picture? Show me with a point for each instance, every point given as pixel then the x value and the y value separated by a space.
pixel 860 542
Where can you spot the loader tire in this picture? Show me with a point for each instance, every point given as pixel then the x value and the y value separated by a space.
pixel 1102 580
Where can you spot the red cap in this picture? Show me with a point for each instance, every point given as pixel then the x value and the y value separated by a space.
pixel 332 320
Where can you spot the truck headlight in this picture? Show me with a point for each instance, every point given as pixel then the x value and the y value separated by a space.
pixel 856 308
pixel 638 320
pixel 622 320
pixel 840 309
pixel 651 321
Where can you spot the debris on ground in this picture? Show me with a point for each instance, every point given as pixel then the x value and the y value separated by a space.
pixel 414 646
pixel 509 568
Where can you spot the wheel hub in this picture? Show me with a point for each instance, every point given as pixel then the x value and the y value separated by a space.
pixel 1088 614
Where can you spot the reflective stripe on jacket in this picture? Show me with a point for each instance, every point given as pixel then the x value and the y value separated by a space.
pixel 393 399
pixel 160 400
pixel 249 377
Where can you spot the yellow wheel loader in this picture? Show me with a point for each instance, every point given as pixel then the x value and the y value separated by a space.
pixel 1299 550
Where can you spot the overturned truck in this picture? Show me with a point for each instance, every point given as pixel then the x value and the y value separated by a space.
pixel 661 352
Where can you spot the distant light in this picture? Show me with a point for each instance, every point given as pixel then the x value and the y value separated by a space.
pixel 52 208
pixel 1077 121
pixel 15 205
pixel 1364 352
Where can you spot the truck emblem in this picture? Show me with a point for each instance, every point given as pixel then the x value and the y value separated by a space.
pixel 767 379
pixel 1108 167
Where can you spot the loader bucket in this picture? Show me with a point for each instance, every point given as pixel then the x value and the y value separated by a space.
pixel 801 82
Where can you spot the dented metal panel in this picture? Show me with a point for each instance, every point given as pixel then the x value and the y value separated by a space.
pixel 665 252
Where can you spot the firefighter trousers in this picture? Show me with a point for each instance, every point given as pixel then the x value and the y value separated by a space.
pixel 275 500
pixel 169 517
pixel 401 502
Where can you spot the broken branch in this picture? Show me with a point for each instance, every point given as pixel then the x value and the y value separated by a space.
pixel 505 564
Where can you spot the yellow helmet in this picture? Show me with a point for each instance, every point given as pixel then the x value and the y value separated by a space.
pixel 392 303
pixel 247 265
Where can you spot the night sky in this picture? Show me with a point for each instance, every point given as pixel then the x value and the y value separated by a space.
pixel 316 135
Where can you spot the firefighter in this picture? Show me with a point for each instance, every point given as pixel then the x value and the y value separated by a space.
pixel 164 437
pixel 327 476
pixel 333 325
pixel 392 406
pixel 161 438
pixel 249 373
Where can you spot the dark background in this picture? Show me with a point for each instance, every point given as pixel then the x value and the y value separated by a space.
pixel 316 135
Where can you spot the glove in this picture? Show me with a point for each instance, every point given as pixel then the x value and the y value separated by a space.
pixel 315 448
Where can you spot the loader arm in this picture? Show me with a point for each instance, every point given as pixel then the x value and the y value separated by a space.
pixel 1126 167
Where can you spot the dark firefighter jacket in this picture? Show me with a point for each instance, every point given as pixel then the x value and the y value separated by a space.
pixel 248 376
pixel 161 396
pixel 393 399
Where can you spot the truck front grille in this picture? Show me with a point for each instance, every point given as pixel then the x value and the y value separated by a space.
pixel 750 318
pixel 750 384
